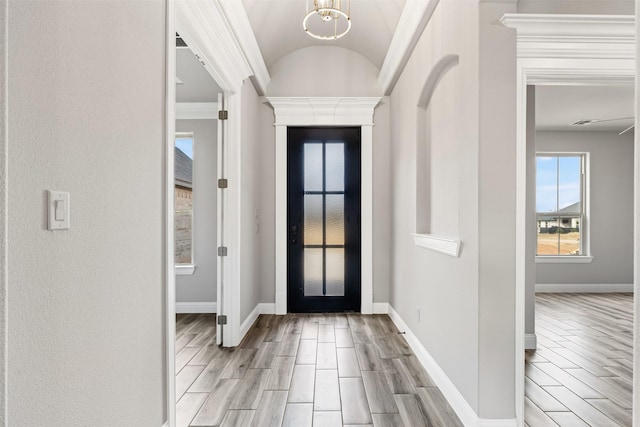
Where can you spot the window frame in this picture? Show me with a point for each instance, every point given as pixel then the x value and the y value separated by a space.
pixel 183 269
pixel 583 214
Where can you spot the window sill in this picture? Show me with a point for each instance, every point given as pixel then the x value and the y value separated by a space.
pixel 570 259
pixel 443 245
pixel 185 270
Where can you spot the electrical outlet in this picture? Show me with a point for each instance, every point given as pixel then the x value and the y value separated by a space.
pixel 418 312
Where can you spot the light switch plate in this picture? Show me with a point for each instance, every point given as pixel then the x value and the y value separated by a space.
pixel 62 199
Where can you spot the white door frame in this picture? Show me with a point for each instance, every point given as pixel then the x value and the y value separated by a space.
pixel 305 111
pixel 206 28
pixel 561 50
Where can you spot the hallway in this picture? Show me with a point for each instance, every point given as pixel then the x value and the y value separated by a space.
pixel 302 370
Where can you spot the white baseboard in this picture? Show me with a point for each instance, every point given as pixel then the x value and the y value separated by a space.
pixel 380 308
pixel 461 407
pixel 530 341
pixel 488 422
pixel 267 308
pixel 584 287
pixel 248 322
pixel 196 307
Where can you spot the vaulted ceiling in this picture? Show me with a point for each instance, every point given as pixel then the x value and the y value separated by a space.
pixel 277 25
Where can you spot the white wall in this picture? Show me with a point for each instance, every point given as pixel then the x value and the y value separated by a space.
pixel 611 207
pixel 86 115
pixel 251 166
pixel 324 71
pixel 201 286
pixel 466 303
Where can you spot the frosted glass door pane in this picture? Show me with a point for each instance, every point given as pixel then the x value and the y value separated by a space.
pixel 335 219
pixel 335 272
pixel 335 166
pixel 313 227
pixel 312 272
pixel 312 167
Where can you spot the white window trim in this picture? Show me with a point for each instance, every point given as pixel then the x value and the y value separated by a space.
pixel 186 269
pixel 585 257
pixel 564 259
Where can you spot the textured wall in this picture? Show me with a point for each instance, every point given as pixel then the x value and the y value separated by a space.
pixel 86 115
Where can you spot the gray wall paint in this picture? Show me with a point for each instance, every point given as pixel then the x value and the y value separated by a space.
pixel 466 303
pixel 267 238
pixel 201 286
pixel 250 200
pixel 86 341
pixel 530 220
pixel 3 215
pixel 382 240
pixel 611 207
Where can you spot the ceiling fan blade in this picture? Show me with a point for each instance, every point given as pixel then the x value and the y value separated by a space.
pixel 627 129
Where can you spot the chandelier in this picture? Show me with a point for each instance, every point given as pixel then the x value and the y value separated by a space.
pixel 327 19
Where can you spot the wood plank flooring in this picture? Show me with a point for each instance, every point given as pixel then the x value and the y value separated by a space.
pixel 581 372
pixel 304 370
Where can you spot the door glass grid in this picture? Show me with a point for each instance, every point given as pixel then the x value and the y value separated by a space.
pixel 324 222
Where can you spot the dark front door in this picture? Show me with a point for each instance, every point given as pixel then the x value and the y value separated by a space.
pixel 323 219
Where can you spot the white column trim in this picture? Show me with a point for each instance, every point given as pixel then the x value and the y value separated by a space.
pixel 324 112
pixel 545 55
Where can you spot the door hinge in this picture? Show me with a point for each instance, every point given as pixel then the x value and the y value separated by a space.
pixel 222 320
pixel 223 183
pixel 223 115
pixel 222 251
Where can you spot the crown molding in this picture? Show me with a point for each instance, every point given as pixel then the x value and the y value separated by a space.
pixel 355 111
pixel 573 36
pixel 205 28
pixel 239 22
pixel 413 20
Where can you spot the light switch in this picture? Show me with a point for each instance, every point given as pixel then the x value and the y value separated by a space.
pixel 58 206
pixel 59 210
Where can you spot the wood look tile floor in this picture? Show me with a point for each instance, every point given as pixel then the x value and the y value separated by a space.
pixel 581 372
pixel 304 370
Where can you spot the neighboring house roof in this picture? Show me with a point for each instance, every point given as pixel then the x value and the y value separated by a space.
pixel 572 208
pixel 569 209
pixel 183 169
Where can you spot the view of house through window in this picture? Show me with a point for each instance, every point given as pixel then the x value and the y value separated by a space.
pixel 183 199
pixel 560 204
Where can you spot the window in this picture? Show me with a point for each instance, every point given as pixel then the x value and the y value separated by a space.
pixel 183 199
pixel 560 204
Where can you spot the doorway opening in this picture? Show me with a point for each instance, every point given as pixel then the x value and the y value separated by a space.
pixel 323 250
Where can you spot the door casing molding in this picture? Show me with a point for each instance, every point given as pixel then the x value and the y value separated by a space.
pixel 316 111
pixel 552 50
